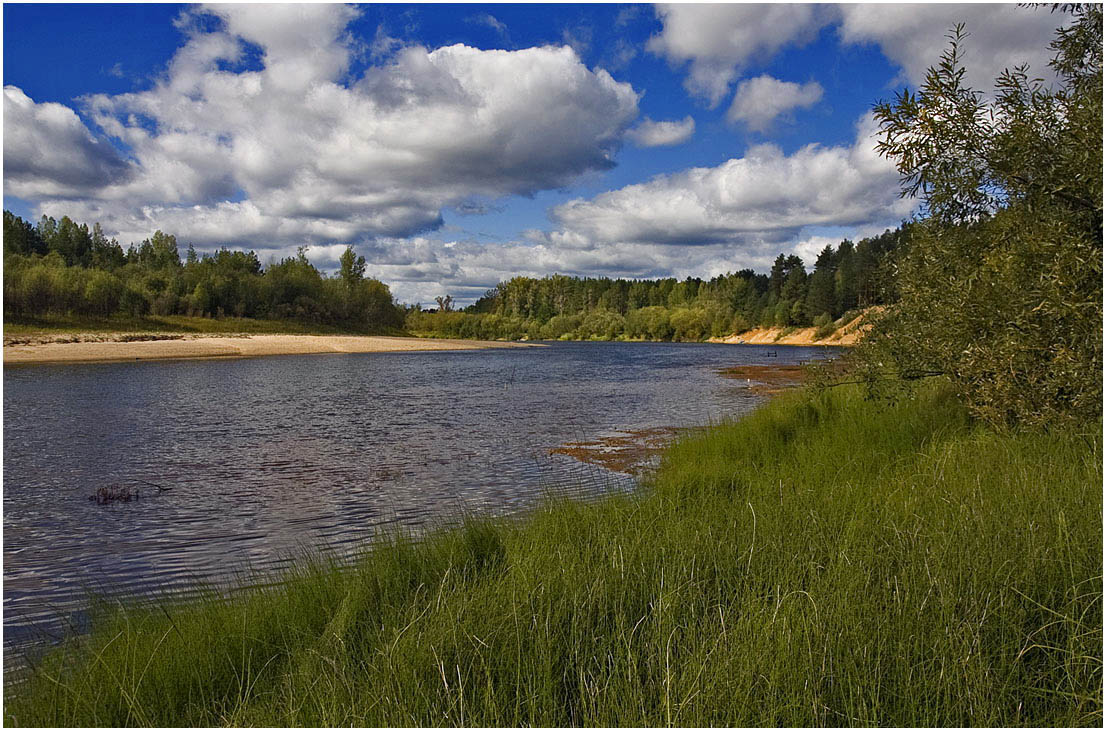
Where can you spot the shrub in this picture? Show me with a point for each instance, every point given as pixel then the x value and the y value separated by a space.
pixel 825 326
pixel 690 324
pixel 102 293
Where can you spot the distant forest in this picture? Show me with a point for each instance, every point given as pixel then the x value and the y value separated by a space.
pixel 844 279
pixel 63 268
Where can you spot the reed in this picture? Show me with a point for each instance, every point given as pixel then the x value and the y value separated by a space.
pixel 825 561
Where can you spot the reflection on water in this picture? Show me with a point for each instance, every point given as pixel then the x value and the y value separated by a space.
pixel 266 458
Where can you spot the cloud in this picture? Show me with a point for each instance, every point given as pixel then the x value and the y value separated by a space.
pixel 383 45
pixel 491 21
pixel 720 40
pixel 765 197
pixel 578 38
pixel 476 208
pixel 297 153
pixel 418 269
pixel 302 44
pixel 759 101
pixel 626 15
pixel 914 36
pixel 49 152
pixel 658 134
pixel 619 55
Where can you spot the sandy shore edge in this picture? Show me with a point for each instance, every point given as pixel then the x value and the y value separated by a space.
pixel 233 347
pixel 848 334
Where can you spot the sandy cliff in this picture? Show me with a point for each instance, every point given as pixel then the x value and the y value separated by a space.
pixel 847 334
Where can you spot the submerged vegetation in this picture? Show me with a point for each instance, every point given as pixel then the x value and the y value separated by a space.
pixel 826 561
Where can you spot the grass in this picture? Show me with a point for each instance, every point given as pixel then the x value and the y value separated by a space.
pixel 54 325
pixel 825 561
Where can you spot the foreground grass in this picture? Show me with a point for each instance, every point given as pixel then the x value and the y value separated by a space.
pixel 175 324
pixel 825 561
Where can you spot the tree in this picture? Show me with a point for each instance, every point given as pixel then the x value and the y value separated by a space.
pixel 106 254
pixel 844 279
pixel 70 240
pixel 820 295
pixel 1001 286
pixel 351 267
pixel 777 277
pixel 20 237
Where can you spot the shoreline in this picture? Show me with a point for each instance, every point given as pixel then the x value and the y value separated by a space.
pixel 231 346
pixel 921 489
pixel 846 334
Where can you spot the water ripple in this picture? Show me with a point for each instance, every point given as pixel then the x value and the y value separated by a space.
pixel 268 458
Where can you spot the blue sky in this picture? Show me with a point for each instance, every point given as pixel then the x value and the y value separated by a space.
pixel 457 145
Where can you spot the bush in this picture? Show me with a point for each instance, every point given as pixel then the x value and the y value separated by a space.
pixel 649 323
pixel 102 293
pixel 739 324
pixel 1001 287
pixel 133 301
pixel 825 326
pixel 690 324
pixel 602 325
pixel 560 326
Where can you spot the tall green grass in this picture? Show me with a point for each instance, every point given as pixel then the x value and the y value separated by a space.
pixel 825 561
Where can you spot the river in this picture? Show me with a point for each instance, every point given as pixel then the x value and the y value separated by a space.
pixel 263 459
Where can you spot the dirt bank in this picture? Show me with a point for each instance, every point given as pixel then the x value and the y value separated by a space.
pixel 847 334
pixel 95 348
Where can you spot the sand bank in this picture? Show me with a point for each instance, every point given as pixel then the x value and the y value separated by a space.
pixel 190 346
pixel 848 334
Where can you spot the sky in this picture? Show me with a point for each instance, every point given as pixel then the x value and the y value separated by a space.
pixel 456 146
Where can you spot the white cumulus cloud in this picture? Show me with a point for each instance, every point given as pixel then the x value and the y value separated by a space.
pixel 418 269
pixel 49 152
pixel 659 134
pixel 765 196
pixel 913 36
pixel 297 152
pixel 719 40
pixel 760 100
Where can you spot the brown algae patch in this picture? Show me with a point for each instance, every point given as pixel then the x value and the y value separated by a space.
pixel 637 452
pixel 632 452
pixel 767 379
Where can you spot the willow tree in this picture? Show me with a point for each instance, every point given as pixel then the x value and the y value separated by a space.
pixel 1001 286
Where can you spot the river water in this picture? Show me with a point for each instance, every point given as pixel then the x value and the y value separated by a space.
pixel 267 458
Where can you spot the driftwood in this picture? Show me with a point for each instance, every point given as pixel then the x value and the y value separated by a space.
pixel 121 493
pixel 113 493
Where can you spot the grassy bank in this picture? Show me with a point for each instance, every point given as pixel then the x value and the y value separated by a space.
pixel 825 561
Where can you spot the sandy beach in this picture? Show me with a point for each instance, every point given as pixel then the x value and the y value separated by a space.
pixel 192 346
pixel 800 336
pixel 848 334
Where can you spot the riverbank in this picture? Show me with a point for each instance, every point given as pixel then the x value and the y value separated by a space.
pixel 845 334
pixel 85 348
pixel 828 560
